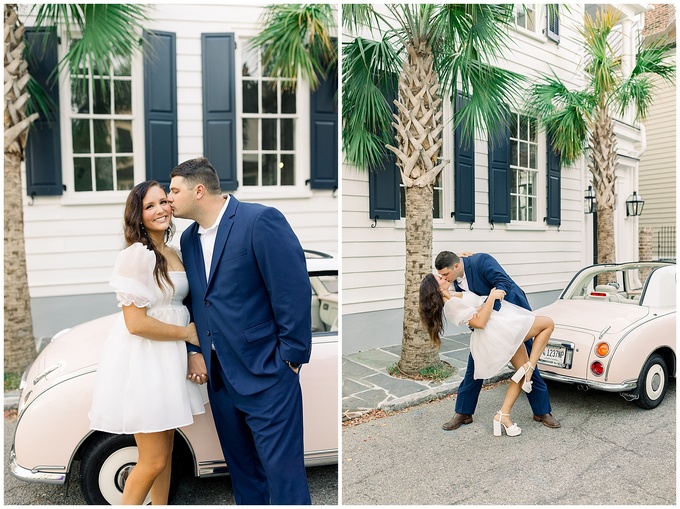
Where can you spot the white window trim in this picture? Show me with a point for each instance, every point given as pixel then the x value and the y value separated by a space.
pixel 302 141
pixel 539 33
pixel 70 196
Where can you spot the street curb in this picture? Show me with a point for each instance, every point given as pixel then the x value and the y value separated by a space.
pixel 12 400
pixel 418 398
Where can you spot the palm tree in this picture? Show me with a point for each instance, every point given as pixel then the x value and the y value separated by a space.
pixel 427 53
pixel 105 32
pixel 296 42
pixel 573 116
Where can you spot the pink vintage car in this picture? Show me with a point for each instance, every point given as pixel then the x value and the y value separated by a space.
pixel 616 334
pixel 56 391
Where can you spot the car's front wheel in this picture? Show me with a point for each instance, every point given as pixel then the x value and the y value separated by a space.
pixel 652 383
pixel 106 463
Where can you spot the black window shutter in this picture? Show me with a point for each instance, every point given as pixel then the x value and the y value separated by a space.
pixel 43 146
pixel 219 106
pixel 464 171
pixel 554 215
pixel 552 28
pixel 383 182
pixel 324 134
pixel 160 105
pixel 499 175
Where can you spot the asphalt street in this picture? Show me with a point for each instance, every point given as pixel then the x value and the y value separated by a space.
pixel 323 484
pixel 608 452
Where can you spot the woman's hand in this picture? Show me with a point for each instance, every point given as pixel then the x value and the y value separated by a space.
pixel 495 294
pixel 192 335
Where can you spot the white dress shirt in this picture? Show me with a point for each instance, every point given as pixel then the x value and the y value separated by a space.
pixel 208 236
pixel 463 283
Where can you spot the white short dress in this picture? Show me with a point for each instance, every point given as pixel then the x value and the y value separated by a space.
pixel 141 384
pixel 493 346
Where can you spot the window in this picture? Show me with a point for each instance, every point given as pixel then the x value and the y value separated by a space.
pixel 523 168
pixel 101 125
pixel 437 198
pixel 269 117
pixel 525 17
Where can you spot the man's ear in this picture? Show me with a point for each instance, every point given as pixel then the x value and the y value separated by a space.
pixel 199 191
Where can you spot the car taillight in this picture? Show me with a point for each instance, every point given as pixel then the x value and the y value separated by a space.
pixel 602 349
pixel 597 368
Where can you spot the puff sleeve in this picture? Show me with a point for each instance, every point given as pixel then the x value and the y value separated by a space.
pixel 132 277
pixel 458 312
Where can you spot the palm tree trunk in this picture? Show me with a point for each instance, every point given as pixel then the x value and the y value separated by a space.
pixel 19 341
pixel 419 128
pixel 603 167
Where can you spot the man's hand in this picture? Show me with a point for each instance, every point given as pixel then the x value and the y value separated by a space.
pixel 465 254
pixel 197 371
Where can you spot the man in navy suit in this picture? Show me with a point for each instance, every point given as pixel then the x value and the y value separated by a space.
pixel 250 300
pixel 479 273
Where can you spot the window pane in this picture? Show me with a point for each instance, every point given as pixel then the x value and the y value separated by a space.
pixel 523 128
pixel 522 208
pixel 513 127
pixel 122 96
pixel 531 189
pixel 513 207
pixel 80 102
pixel 121 66
pixel 103 169
pixel 251 58
pixel 287 134
pixel 124 173
pixel 269 170
pixel 249 169
pixel 532 130
pixel 124 136
pixel 288 101
pixel 533 156
pixel 269 140
pixel 523 154
pixel 250 138
pixel 531 209
pixel 250 96
pixel 80 128
pixel 101 97
pixel 102 136
pixel 82 172
pixel 514 154
pixel 513 181
pixel 287 170
pixel 269 100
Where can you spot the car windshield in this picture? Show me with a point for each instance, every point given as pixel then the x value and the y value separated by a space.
pixel 624 285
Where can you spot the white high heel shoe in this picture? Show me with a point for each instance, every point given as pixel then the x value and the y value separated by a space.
pixel 511 431
pixel 524 371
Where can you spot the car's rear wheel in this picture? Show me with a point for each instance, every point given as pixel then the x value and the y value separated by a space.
pixel 652 383
pixel 106 463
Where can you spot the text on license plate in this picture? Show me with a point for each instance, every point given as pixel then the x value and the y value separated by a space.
pixel 553 355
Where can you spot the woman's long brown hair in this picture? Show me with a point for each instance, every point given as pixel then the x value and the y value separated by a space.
pixel 135 232
pixel 431 306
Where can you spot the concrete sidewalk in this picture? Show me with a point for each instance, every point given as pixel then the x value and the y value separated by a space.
pixel 366 384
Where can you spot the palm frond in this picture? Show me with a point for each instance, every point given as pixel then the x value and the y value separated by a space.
pixel 564 114
pixel 357 16
pixel 369 74
pixel 297 39
pixel 603 61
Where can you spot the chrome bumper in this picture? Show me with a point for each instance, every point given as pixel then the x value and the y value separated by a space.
pixel 34 475
pixel 600 386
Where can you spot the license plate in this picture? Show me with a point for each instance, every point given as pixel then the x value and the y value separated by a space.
pixel 555 355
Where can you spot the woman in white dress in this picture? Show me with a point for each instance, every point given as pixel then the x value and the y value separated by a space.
pixel 141 386
pixel 497 337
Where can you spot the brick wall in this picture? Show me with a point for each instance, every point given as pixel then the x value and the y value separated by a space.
pixel 658 18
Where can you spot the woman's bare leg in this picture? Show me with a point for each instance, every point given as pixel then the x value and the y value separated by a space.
pixel 154 455
pixel 514 388
pixel 160 490
pixel 540 331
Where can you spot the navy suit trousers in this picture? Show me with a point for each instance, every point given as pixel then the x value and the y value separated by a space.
pixel 468 392
pixel 262 439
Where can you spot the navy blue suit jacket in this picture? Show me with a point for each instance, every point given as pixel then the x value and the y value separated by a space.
pixel 483 273
pixel 255 307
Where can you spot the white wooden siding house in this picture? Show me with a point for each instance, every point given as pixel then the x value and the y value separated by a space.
pixel 531 220
pixel 200 92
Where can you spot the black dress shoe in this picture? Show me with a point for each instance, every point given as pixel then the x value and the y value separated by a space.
pixel 456 421
pixel 548 420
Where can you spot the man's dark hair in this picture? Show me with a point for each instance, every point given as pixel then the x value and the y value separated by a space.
pixel 198 171
pixel 446 259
